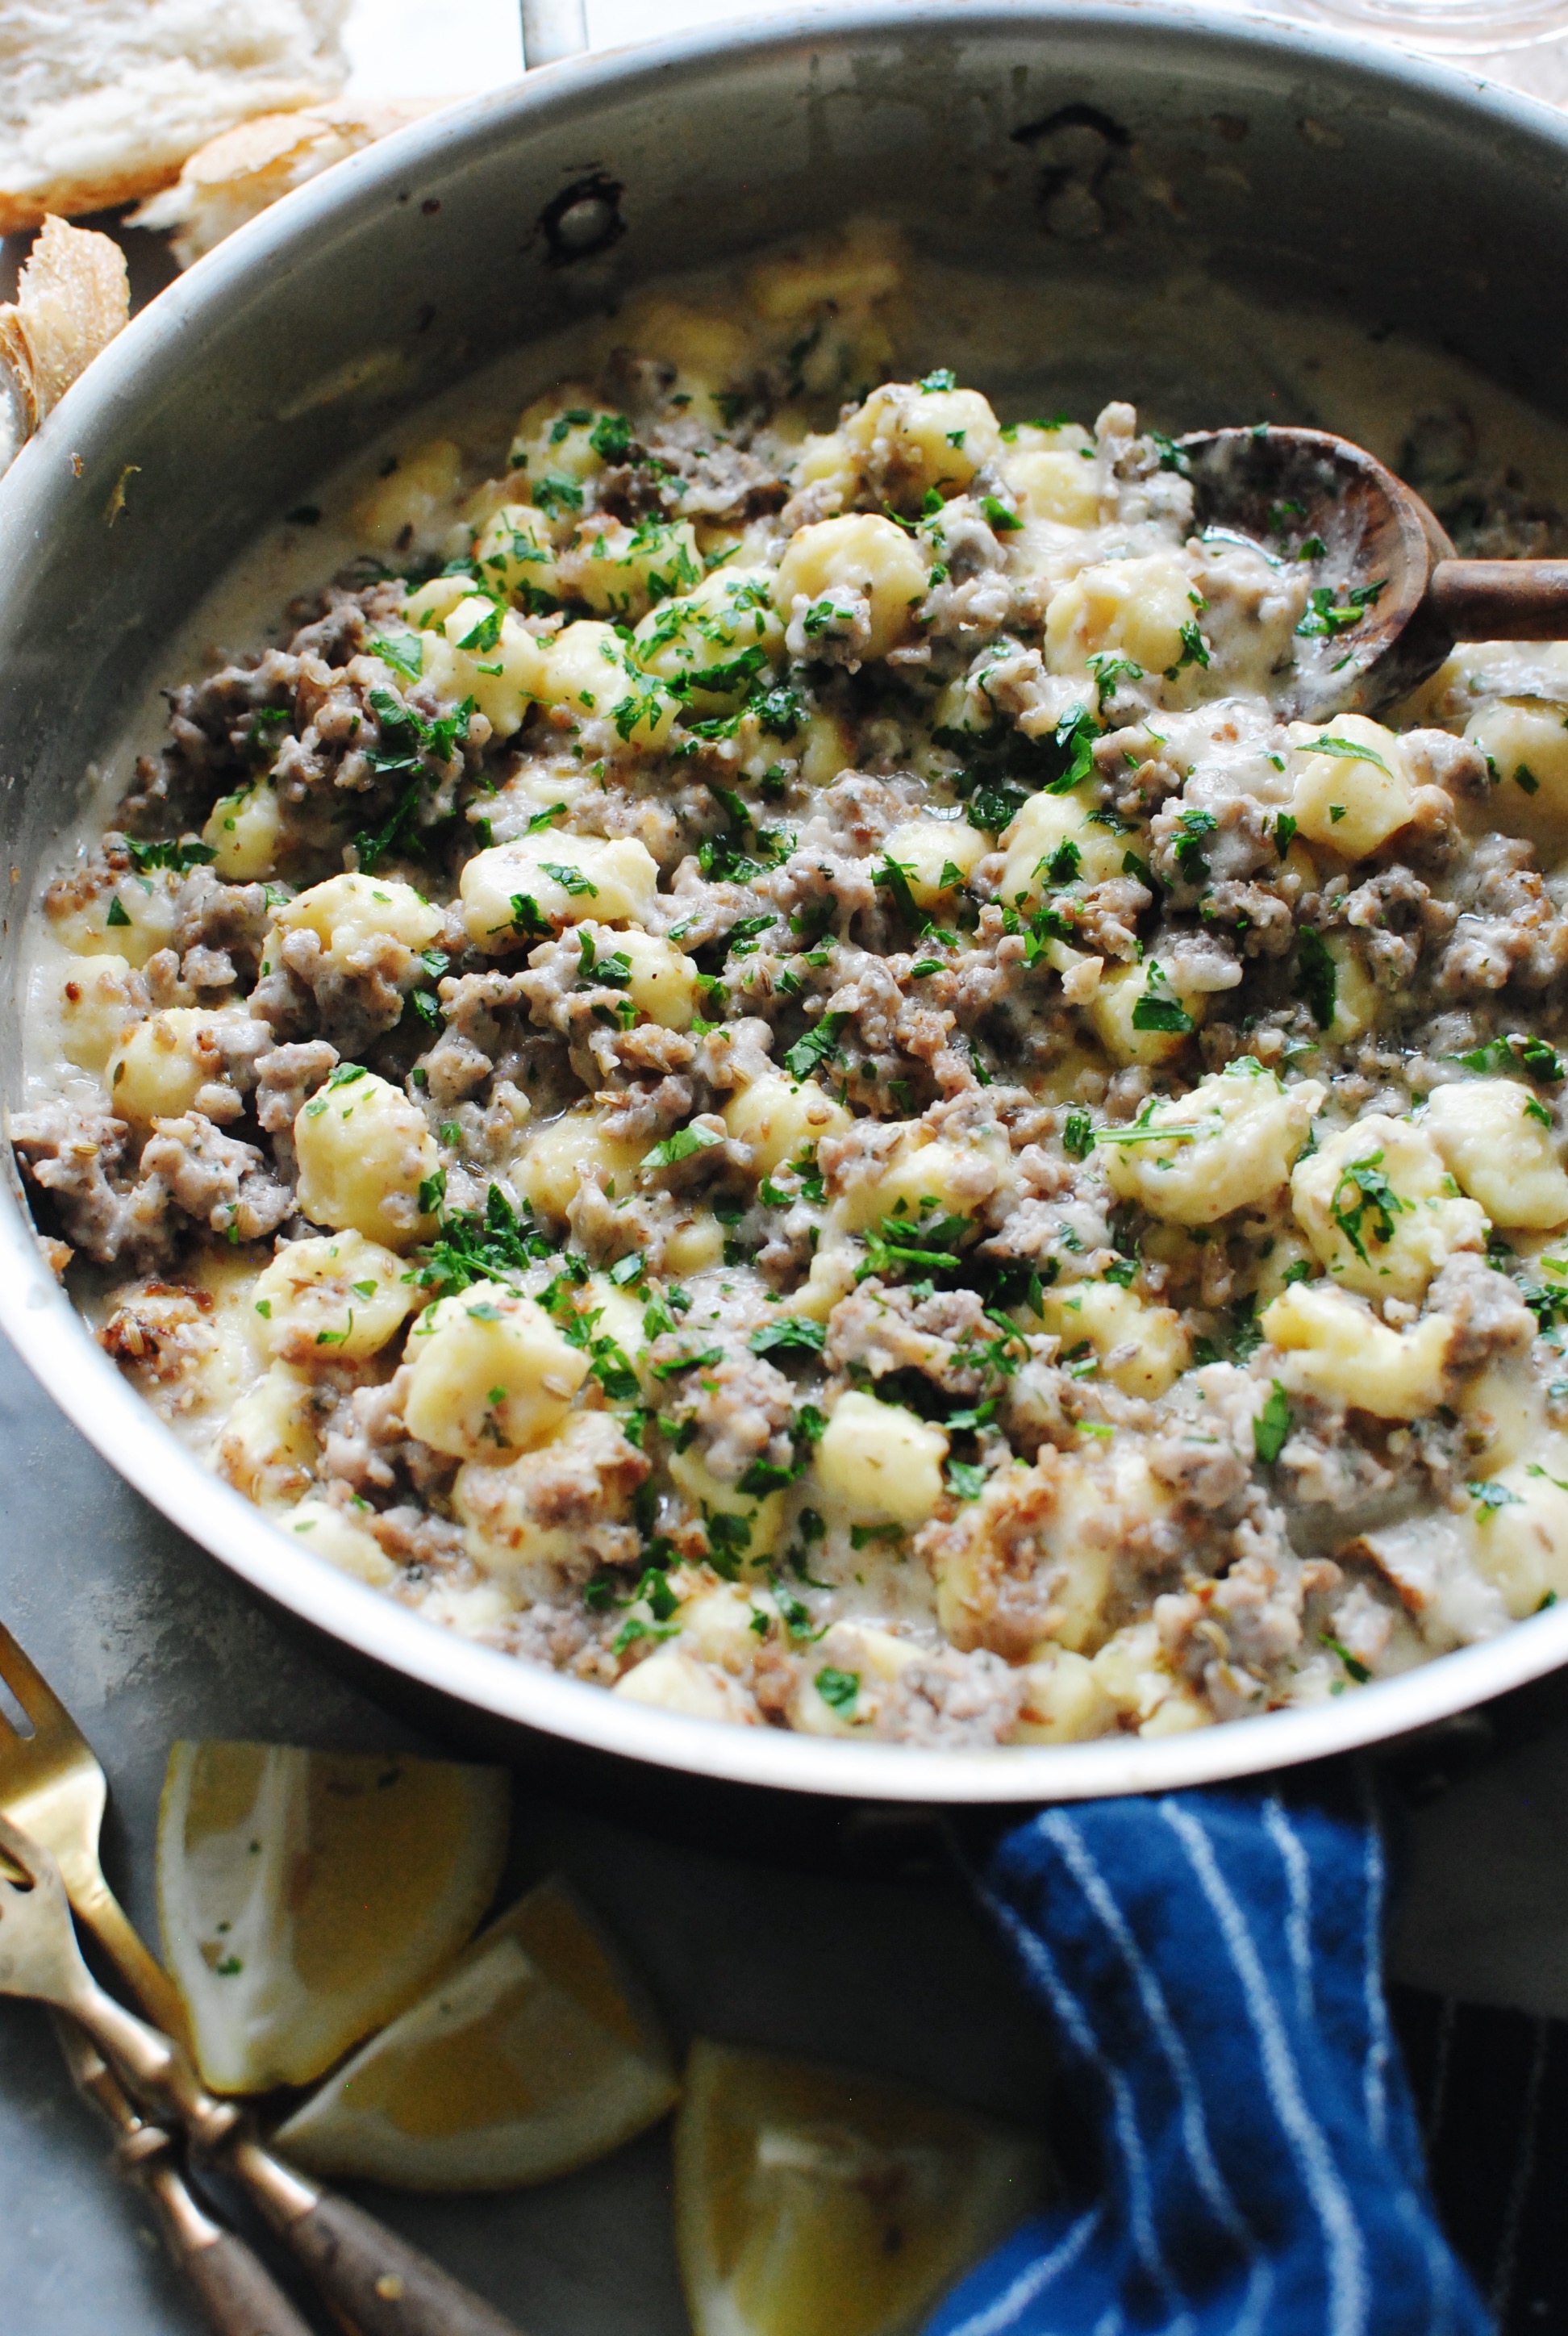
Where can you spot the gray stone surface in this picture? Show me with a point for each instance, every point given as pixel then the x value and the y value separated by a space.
pixel 148 1638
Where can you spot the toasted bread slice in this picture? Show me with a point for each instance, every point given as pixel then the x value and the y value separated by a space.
pixel 231 178
pixel 103 100
pixel 72 298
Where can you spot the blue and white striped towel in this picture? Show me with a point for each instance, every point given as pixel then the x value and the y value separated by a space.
pixel 1212 1965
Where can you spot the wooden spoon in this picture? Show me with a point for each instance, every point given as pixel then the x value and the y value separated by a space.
pixel 1389 597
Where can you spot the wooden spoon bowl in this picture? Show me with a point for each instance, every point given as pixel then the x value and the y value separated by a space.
pixel 1388 597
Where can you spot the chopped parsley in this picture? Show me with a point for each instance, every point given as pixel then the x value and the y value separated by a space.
pixel 610 437
pixel 789 1332
pixel 1194 649
pixel 611 971
pixel 1317 976
pixel 1272 1424
pixel 1519 1051
pixel 1109 670
pixel 1154 1012
pixel 1358 1670
pixel 1192 857
pixel 681 1146
pixel 554 493
pixel 1327 617
pixel 571 879
pixel 895 876
pixel 527 919
pixel 819 1045
pixel 1347 749
pixel 780 712
pixel 904 1244
pixel 489 1245
pixel 1371 1197
pixel 840 1691
pixel 1078 1136
pixel 1001 516
pixel 705 1357
pixel 178 857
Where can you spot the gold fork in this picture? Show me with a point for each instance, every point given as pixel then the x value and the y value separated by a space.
pixel 386 2287
pixel 52 1786
pixel 238 2294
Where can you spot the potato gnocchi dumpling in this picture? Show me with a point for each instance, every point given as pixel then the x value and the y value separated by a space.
pixel 489 1373
pixel 334 1534
pixel 1140 1348
pixel 855 580
pixel 512 1513
pixel 368 1161
pixel 1333 1346
pixel 1351 793
pixel 780 1119
pixel 1381 1210
pixel 167 1062
pixel 1143 610
pixel 760 1061
pixel 1524 743
pixel 514 893
pixel 880 1460
pixel 1497 1140
pixel 1228 1143
pixel 99 1000
pixel 245 830
pixel 349 914
pixel 332 1299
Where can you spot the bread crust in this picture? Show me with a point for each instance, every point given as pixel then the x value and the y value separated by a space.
pixel 243 171
pixel 72 298
pixel 19 213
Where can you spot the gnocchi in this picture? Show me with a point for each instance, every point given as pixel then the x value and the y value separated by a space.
pixel 368 1161
pixel 491 1374
pixel 331 1299
pixel 1381 1210
pixel 514 893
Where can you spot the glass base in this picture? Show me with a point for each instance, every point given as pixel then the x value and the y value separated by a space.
pixel 1448 27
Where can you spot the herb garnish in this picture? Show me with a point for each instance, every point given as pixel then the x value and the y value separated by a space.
pixel 1373 1196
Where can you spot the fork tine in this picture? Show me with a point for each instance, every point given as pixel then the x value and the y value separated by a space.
pixel 70 1819
pixel 33 1691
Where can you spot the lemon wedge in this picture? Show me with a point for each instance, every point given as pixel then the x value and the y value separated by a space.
pixel 532 2056
pixel 306 1897
pixel 810 2198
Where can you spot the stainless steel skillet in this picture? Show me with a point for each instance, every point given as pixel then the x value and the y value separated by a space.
pixel 1111 142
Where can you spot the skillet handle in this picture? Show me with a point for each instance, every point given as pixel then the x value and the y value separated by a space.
pixel 552 29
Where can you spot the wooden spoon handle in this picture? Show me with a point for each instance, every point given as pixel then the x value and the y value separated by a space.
pixel 1501 599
